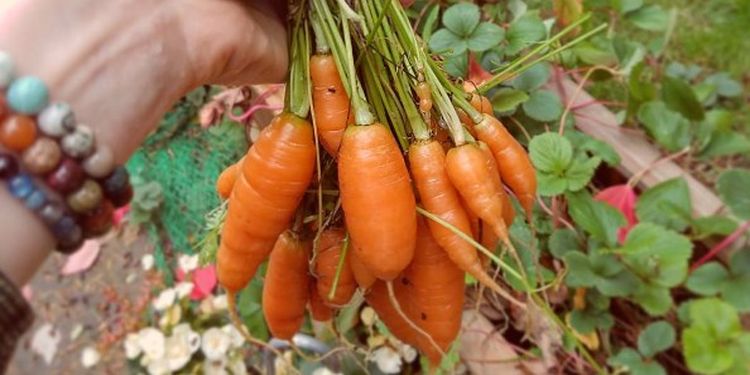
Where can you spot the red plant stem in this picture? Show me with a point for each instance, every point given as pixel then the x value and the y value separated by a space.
pixel 722 245
pixel 251 111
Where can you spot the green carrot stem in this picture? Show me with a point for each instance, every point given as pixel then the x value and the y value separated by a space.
pixel 339 267
pixel 503 75
pixel 297 98
pixel 362 113
pixel 321 44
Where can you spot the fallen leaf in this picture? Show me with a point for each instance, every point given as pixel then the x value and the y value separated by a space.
pixel 621 197
pixel 45 342
pixel 485 351
pixel 120 215
pixel 204 279
pixel 477 74
pixel 83 259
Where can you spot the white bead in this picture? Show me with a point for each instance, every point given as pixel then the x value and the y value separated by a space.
pixel 56 120
pixel 79 143
pixel 7 70
pixel 101 163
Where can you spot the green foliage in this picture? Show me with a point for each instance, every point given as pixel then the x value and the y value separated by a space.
pixel 594 316
pixel 732 187
pixel 557 169
pixel 667 204
pixel 731 284
pixel 714 342
pixel 599 220
pixel 668 128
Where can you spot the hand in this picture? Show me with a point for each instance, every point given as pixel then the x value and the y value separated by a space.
pixel 121 64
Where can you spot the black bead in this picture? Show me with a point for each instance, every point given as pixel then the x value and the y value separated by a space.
pixel 68 233
pixel 8 166
pixel 117 187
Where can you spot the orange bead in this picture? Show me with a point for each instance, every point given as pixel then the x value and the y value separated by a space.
pixel 17 132
pixel 3 107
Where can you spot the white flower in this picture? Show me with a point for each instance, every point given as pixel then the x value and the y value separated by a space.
pixel 132 348
pixel 387 360
pixel 177 351
pixel 171 317
pixel 214 367
pixel 368 316
pixel 324 371
pixel 220 302
pixel 147 262
pixel 165 299
pixel 193 338
pixel 215 343
pixel 159 367
pixel 237 365
pixel 188 262
pixel 408 353
pixel 151 342
pixel 183 289
pixel 90 357
pixel 235 336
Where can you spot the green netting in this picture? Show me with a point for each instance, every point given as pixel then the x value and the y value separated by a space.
pixel 185 160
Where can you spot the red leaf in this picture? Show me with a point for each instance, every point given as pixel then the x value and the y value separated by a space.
pixel 83 259
pixel 621 197
pixel 204 279
pixel 477 74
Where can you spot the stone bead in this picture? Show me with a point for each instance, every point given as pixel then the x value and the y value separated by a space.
pixel 68 233
pixel 80 143
pixel 4 110
pixel 117 187
pixel 20 186
pixel 8 166
pixel 99 221
pixel 7 70
pixel 17 132
pixel 86 198
pixel 56 120
pixel 51 212
pixel 42 157
pixel 35 200
pixel 67 177
pixel 28 95
pixel 101 163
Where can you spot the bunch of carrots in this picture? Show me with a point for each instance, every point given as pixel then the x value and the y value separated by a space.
pixel 382 176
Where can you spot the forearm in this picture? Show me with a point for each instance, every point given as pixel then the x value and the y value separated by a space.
pixel 116 70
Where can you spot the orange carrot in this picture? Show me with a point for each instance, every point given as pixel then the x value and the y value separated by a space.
pixel 332 108
pixel 513 162
pixel 379 300
pixel 378 201
pixel 225 182
pixel 439 197
pixel 330 249
pixel 362 275
pixel 509 213
pixel 318 309
pixel 435 291
pixel 274 176
pixel 467 169
pixel 286 287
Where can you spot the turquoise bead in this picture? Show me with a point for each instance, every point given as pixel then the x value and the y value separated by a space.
pixel 27 95
pixel 35 200
pixel 21 186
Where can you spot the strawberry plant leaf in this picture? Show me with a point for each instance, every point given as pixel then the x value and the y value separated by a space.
pixel 580 172
pixel 593 146
pixel 725 86
pixel 667 204
pixel 461 19
pixel 656 337
pixel 708 279
pixel 732 187
pixel 714 342
pixel 680 97
pixel 650 17
pixel 506 100
pixel 625 6
pixel 562 241
pixel 485 36
pixel 446 42
pixel 713 225
pixel 543 105
pixel 598 219
pixel 551 153
pixel 726 143
pixel 595 315
pixel 632 361
pixel 523 31
pixel 533 78
pixel 668 128
pixel 657 254
pixel 655 300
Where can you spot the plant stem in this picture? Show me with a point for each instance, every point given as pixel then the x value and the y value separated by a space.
pixel 297 98
pixel 339 267
pixel 726 242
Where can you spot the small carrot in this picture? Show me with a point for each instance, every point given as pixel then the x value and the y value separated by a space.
pixel 286 287
pixel 225 182
pixel 513 162
pixel 509 213
pixel 437 194
pixel 318 309
pixel 333 111
pixel 466 166
pixel 378 201
pixel 380 301
pixel 273 179
pixel 330 250
pixel 362 275
pixel 435 291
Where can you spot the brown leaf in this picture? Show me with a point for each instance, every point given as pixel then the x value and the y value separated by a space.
pixel 568 11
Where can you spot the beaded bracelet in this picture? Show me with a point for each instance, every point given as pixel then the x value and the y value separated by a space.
pixel 52 147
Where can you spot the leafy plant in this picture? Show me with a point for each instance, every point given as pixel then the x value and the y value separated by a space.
pixel 714 342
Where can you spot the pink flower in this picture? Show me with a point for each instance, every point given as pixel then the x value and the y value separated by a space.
pixel 203 278
pixel 621 197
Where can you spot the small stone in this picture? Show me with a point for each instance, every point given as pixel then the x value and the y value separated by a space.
pixel 17 132
pixel 35 200
pixel 56 120
pixel 99 221
pixel 101 163
pixel 117 187
pixel 86 198
pixel 80 143
pixel 42 157
pixel 8 166
pixel 67 177
pixel 21 186
pixel 7 70
pixel 27 95
pixel 51 212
